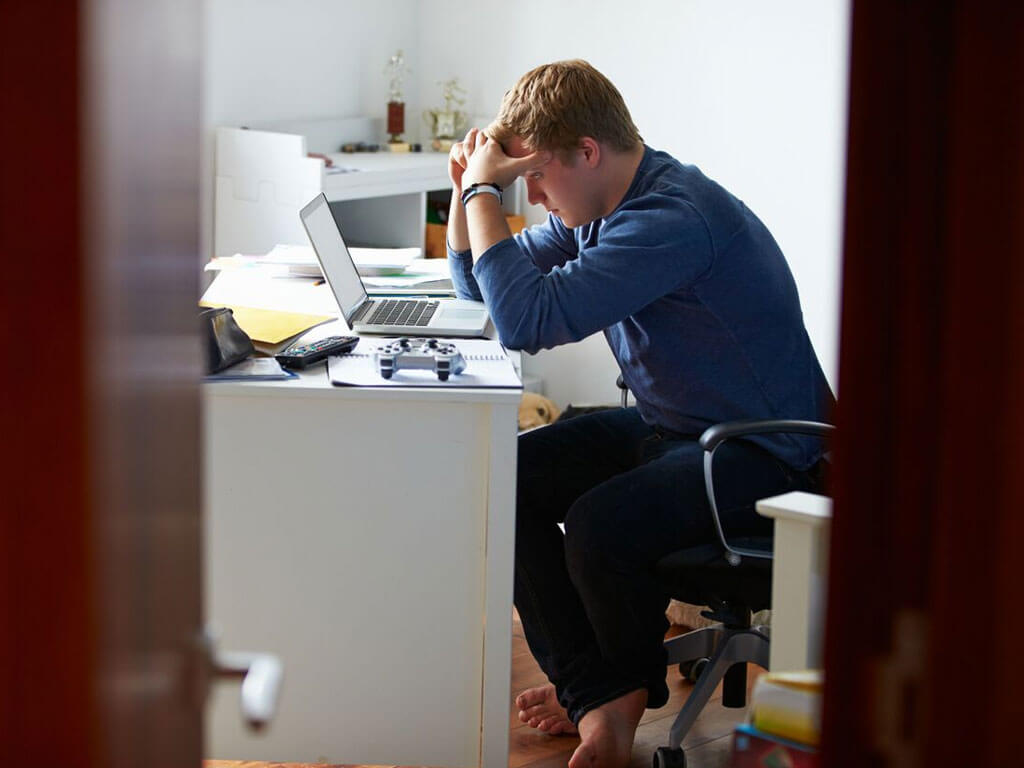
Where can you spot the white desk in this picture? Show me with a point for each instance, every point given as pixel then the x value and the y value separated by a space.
pixel 799 578
pixel 363 536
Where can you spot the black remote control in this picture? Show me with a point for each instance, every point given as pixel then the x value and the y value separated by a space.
pixel 305 355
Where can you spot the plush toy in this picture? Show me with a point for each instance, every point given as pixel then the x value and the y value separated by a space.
pixel 536 411
pixel 686 615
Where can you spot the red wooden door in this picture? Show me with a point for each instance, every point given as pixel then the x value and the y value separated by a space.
pixel 922 662
pixel 99 593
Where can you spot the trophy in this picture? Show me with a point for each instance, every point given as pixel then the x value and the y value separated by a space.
pixel 395 70
pixel 447 122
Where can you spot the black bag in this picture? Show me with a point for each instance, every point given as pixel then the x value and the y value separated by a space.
pixel 224 341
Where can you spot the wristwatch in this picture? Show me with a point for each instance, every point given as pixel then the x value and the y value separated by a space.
pixel 481 186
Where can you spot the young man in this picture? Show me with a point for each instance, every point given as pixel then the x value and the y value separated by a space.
pixel 700 311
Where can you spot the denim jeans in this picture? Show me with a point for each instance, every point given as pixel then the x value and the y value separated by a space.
pixel 592 609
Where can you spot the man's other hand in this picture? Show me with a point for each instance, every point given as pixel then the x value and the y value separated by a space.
pixel 483 160
pixel 457 165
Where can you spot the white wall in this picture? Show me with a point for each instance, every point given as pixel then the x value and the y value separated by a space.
pixel 268 60
pixel 752 92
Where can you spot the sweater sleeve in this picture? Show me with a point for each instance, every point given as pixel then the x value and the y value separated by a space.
pixel 649 247
pixel 546 245
pixel 460 264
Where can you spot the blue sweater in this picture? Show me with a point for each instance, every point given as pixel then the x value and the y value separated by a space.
pixel 691 291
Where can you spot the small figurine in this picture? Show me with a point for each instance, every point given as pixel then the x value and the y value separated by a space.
pixel 395 69
pixel 447 122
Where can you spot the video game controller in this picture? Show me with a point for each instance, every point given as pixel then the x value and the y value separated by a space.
pixel 430 354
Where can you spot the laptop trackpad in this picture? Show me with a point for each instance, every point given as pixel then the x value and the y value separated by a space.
pixel 450 313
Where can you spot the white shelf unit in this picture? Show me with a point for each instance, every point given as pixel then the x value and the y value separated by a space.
pixel 263 177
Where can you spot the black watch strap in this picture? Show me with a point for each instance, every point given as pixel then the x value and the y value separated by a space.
pixel 485 187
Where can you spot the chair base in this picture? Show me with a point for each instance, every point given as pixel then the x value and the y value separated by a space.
pixel 724 646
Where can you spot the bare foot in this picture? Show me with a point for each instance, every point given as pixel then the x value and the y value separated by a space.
pixel 539 708
pixel 607 732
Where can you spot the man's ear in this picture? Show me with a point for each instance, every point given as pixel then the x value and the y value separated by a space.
pixel 591 151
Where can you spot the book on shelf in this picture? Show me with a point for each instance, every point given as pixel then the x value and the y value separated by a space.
pixel 752 748
pixel 788 704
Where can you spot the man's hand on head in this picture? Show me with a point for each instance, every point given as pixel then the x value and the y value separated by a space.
pixel 457 165
pixel 483 160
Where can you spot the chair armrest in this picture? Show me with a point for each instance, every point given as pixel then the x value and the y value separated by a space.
pixel 719 433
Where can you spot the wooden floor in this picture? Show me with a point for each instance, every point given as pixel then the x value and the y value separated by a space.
pixel 707 745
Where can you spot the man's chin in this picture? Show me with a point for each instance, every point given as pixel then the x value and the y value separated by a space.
pixel 569 221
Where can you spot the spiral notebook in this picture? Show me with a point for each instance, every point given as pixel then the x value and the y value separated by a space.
pixel 487 366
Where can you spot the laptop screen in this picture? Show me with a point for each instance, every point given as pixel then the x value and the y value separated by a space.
pixel 335 260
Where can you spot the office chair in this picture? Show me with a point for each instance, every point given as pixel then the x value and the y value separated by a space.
pixel 733 578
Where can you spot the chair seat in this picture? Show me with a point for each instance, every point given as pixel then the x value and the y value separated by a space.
pixel 701 576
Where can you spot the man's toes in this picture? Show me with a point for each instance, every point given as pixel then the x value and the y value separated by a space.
pixel 533 696
pixel 562 726
pixel 537 710
pixel 548 723
pixel 583 757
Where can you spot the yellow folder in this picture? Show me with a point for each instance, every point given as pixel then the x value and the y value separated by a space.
pixel 271 326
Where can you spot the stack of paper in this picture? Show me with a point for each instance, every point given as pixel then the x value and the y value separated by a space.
pixel 301 261
pixel 253 369
pixel 385 261
pixel 421 276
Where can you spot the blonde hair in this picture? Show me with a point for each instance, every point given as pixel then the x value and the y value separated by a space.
pixel 555 105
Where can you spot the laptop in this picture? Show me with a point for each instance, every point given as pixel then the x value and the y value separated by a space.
pixel 389 316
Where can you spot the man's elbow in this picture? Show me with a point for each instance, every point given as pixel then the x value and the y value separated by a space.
pixel 468 293
pixel 528 338
pixel 516 336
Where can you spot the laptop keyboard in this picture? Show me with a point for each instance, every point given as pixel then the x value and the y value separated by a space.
pixel 400 312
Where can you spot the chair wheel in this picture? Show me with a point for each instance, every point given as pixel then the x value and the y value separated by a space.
pixel 666 757
pixel 692 670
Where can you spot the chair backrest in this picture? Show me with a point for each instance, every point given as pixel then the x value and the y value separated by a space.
pixel 728 574
pixel 711 441
pixel 729 571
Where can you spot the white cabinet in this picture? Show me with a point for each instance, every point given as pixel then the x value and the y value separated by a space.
pixel 799 578
pixel 365 536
